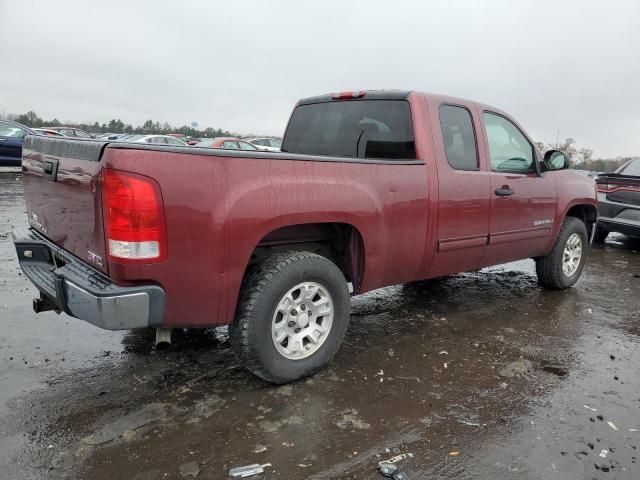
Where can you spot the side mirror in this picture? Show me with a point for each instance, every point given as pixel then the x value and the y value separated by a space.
pixel 556 160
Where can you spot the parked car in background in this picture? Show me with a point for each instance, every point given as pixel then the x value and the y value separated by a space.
pixel 185 138
pixel 49 132
pixel 230 143
pixel 619 201
pixel 11 138
pixel 112 136
pixel 154 139
pixel 371 189
pixel 267 144
pixel 72 132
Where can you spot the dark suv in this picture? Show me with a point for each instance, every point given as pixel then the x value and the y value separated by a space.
pixel 11 139
pixel 619 201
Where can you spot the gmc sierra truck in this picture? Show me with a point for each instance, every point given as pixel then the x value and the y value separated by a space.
pixel 372 188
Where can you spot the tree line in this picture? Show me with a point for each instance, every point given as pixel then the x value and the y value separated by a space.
pixel 583 158
pixel 31 119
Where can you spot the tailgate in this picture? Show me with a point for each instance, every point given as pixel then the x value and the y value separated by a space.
pixel 61 180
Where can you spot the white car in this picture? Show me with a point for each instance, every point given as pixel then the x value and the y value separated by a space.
pixel 266 143
pixel 155 140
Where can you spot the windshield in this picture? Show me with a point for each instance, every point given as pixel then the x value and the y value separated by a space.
pixel 354 128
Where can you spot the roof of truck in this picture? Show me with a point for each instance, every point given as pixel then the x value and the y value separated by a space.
pixel 396 95
pixel 368 94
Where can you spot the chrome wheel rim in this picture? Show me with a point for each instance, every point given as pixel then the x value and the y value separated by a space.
pixel 302 320
pixel 572 255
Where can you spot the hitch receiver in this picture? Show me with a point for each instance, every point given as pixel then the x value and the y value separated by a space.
pixel 43 304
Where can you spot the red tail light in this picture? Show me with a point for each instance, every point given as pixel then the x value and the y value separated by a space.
pixel 133 217
pixel 348 95
pixel 614 187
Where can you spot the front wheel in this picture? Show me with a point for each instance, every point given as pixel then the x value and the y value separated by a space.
pixel 563 266
pixel 291 317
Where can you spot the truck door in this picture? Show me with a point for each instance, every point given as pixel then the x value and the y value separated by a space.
pixel 463 190
pixel 523 203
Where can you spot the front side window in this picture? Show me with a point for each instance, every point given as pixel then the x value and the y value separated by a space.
pixel 509 149
pixel 458 137
pixel 246 146
pixel 379 129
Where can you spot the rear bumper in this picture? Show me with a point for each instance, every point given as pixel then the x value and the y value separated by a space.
pixel 74 287
pixel 619 217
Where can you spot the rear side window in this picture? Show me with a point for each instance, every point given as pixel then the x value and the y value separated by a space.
pixel 458 137
pixel 379 129
pixel 632 168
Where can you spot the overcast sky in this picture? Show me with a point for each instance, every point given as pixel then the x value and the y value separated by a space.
pixel 572 66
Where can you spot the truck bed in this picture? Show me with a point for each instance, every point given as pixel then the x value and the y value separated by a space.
pixel 219 205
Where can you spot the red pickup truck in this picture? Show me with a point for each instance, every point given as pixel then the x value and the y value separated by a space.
pixel 371 189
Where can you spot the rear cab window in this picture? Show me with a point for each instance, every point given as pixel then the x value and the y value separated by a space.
pixel 374 129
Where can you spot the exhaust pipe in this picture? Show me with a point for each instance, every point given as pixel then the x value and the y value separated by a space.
pixel 163 338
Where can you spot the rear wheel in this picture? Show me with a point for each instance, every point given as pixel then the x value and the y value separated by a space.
pixel 292 315
pixel 563 266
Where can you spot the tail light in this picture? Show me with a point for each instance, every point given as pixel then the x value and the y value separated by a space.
pixel 348 95
pixel 134 218
pixel 614 187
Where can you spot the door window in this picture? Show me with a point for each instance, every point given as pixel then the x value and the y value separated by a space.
pixel 509 149
pixel 458 137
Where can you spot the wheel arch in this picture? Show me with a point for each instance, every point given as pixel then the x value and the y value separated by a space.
pixel 586 212
pixel 340 242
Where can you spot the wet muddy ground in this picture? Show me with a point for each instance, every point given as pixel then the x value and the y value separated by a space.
pixel 481 375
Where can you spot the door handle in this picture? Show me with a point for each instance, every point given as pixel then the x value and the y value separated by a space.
pixel 505 191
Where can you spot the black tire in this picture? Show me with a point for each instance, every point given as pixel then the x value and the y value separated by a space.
pixel 262 290
pixel 600 234
pixel 549 268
